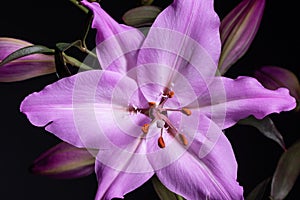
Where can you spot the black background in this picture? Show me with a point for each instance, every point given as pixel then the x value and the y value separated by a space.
pixel 48 22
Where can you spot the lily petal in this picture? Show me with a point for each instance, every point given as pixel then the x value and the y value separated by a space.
pixel 25 67
pixel 238 30
pixel 195 27
pixel 245 96
pixel 192 19
pixel 115 184
pixel 83 109
pixel 187 84
pixel 64 161
pixel 210 177
pixel 116 44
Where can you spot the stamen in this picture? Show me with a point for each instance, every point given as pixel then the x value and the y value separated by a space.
pixel 171 94
pixel 183 139
pixel 151 104
pixel 145 128
pixel 159 115
pixel 186 111
pixel 161 142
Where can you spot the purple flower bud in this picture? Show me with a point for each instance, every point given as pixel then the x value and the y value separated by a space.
pixel 25 67
pixel 64 161
pixel 273 77
pixel 238 30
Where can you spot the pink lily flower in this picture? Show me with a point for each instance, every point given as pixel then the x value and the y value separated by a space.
pixel 156 107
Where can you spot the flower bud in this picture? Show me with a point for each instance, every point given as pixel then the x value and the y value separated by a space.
pixel 238 30
pixel 25 67
pixel 273 77
pixel 64 161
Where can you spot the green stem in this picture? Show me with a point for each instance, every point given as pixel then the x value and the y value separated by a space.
pixel 87 28
pixel 76 63
pixel 90 53
pixel 78 44
pixel 76 3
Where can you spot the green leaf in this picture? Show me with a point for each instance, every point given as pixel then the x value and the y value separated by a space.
pixel 144 30
pixel 141 16
pixel 258 192
pixel 163 192
pixel 25 51
pixel 146 2
pixel 286 173
pixel 62 46
pixel 266 126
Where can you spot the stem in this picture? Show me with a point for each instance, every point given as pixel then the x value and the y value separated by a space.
pixel 89 52
pixel 78 44
pixel 76 3
pixel 87 28
pixel 76 63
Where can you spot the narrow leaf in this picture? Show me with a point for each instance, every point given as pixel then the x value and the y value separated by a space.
pixel 163 192
pixel 144 30
pixel 258 192
pixel 141 16
pixel 146 2
pixel 267 127
pixel 286 173
pixel 25 51
pixel 63 46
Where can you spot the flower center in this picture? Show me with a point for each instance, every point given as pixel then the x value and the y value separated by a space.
pixel 159 115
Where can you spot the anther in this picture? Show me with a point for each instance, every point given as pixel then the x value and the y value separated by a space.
pixel 183 139
pixel 151 104
pixel 145 128
pixel 186 111
pixel 171 94
pixel 161 142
